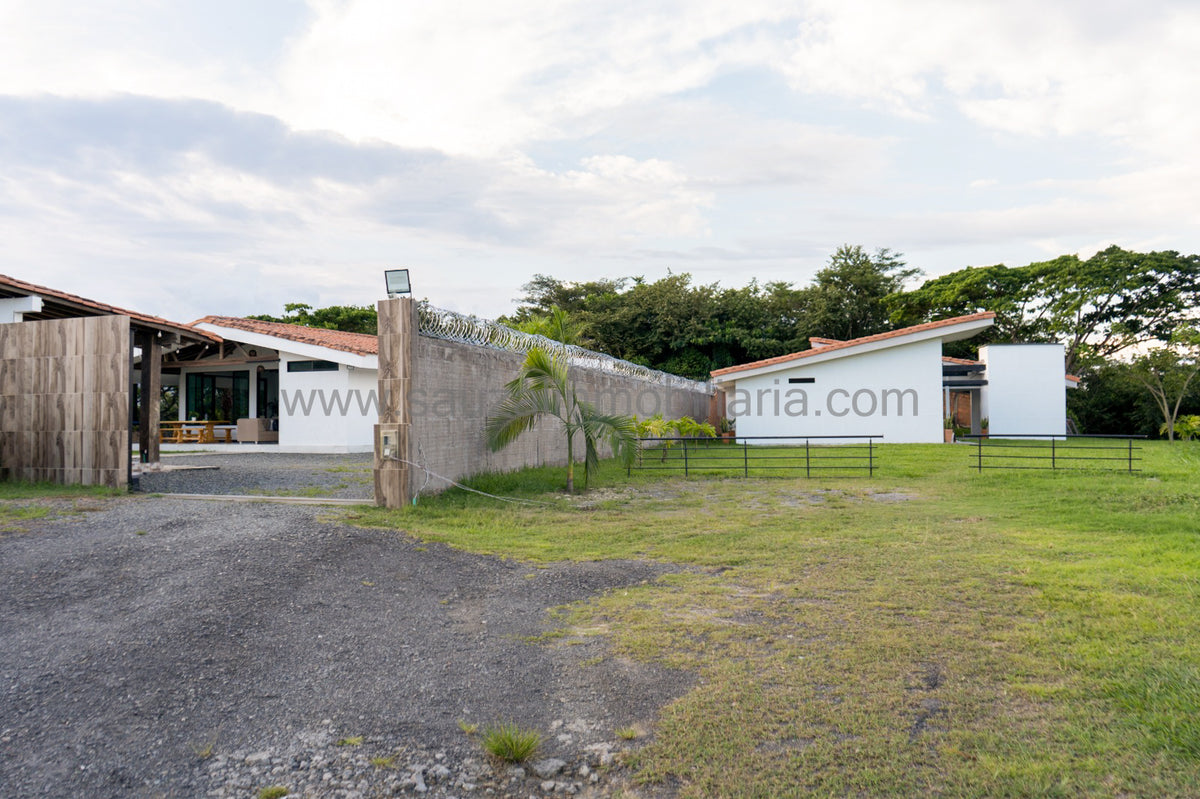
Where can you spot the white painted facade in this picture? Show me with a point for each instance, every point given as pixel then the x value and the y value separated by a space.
pixel 319 411
pixel 1026 390
pixel 892 385
pixel 895 392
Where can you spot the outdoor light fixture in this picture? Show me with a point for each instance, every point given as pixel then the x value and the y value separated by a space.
pixel 397 282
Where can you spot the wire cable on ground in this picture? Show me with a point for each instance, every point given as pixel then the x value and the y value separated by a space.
pixel 456 484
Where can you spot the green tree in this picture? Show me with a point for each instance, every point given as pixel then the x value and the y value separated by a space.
pixel 557 325
pixel 1096 307
pixel 849 296
pixel 545 293
pixel 544 388
pixel 1013 294
pixel 1167 371
pixel 349 318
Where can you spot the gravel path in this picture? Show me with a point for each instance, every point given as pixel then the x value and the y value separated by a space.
pixel 268 473
pixel 172 648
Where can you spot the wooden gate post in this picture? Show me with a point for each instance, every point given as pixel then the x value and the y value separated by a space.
pixel 397 339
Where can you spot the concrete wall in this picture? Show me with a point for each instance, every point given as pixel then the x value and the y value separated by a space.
pixel 456 385
pixel 894 392
pixel 1026 391
pixel 64 400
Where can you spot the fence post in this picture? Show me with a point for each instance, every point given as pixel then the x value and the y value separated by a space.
pixel 1053 460
pixel 685 458
pixel 1130 456
pixel 745 458
pixel 870 457
pixel 979 453
pixel 807 462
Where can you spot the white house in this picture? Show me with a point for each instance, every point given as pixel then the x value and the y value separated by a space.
pixel 898 385
pixel 315 388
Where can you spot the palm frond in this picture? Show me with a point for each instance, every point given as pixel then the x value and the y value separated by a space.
pixel 517 413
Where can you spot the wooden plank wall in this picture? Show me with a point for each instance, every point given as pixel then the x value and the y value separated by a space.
pixel 64 401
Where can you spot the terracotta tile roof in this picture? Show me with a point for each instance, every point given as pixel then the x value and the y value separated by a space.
pixel 357 343
pixel 841 345
pixel 818 341
pixel 1074 378
pixel 961 361
pixel 21 287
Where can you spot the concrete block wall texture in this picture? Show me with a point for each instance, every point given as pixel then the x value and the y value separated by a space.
pixel 64 400
pixel 456 385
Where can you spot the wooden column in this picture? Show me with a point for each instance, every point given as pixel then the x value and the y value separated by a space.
pixel 151 393
pixel 397 338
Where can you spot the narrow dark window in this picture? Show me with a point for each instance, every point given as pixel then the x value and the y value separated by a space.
pixel 802 379
pixel 312 366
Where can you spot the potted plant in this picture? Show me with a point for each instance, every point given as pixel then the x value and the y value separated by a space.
pixel 728 429
pixel 948 429
pixel 983 426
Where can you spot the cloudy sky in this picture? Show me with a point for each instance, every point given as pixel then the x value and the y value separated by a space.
pixel 226 157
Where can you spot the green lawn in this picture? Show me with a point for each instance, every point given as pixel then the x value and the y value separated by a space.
pixel 929 630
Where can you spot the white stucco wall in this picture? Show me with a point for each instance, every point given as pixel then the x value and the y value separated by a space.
pixel 326 411
pixel 894 392
pixel 1026 391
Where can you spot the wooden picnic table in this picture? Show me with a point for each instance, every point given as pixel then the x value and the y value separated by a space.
pixel 195 432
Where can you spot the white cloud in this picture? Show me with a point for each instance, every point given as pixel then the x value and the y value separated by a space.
pixel 486 141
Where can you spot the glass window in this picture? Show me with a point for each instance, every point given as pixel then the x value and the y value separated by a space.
pixel 312 366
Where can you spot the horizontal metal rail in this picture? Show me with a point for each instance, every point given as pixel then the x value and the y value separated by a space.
pixel 794 454
pixel 1054 451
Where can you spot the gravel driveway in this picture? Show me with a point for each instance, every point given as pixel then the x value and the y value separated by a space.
pixel 267 473
pixel 178 648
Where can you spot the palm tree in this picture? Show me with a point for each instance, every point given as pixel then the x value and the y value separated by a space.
pixel 544 388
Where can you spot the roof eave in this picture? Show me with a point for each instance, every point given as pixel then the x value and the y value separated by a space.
pixel 955 332
pixel 301 348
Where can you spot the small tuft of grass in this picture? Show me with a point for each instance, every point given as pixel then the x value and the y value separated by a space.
pixel 510 743
pixel 383 762
pixel 273 792
pixel 354 740
pixel 626 733
pixel 467 727
pixel 205 750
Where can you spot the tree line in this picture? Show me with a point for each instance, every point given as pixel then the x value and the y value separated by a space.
pixel 1127 320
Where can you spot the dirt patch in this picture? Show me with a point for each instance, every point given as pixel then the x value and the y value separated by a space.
pixel 160 647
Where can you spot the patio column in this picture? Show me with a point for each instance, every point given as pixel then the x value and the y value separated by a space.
pixel 151 393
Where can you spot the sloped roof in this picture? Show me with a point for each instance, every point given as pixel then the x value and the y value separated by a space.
pixel 61 305
pixel 961 361
pixel 835 345
pixel 340 340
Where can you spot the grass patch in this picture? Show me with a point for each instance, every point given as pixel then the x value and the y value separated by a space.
pixel 314 492
pixel 273 792
pixel 16 489
pixel 929 630
pixel 510 743
pixel 354 740
pixel 22 502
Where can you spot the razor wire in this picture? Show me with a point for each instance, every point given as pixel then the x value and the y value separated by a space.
pixel 450 326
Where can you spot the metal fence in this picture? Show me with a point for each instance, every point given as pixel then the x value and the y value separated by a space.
pixel 765 456
pixel 440 323
pixel 1069 451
